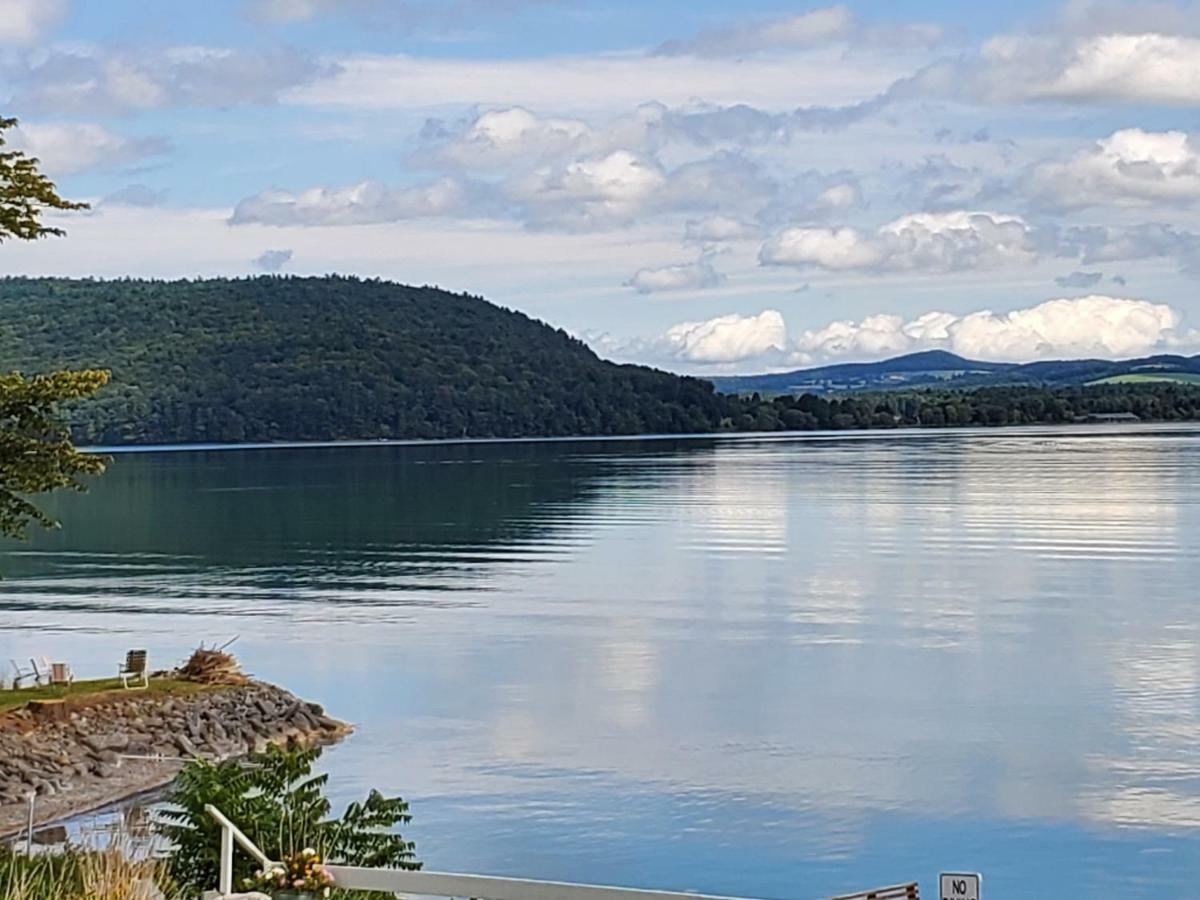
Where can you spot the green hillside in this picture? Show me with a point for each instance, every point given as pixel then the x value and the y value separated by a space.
pixel 273 359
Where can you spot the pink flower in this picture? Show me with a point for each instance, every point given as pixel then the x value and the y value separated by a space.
pixel 298 883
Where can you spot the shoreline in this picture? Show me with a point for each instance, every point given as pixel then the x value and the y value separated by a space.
pixel 107 749
pixel 1132 428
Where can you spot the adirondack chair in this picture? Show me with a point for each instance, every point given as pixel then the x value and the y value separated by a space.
pixel 134 669
pixel 896 892
pixel 60 673
pixel 41 673
pixel 19 674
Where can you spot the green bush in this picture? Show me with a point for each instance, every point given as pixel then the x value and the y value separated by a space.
pixel 279 804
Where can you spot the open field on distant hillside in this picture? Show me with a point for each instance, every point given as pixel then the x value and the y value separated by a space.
pixel 1136 378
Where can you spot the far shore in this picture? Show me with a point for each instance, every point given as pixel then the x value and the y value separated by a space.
pixel 1146 427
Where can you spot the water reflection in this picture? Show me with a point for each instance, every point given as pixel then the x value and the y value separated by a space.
pixel 774 666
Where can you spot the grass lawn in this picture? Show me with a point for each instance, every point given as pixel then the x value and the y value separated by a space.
pixel 1177 377
pixel 10 700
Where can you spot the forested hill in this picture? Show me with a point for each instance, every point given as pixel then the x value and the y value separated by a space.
pixel 273 358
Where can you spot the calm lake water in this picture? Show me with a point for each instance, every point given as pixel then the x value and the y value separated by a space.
pixel 780 667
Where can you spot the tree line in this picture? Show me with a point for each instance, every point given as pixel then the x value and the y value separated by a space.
pixel 989 407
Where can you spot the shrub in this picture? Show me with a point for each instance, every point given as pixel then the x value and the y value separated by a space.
pixel 279 804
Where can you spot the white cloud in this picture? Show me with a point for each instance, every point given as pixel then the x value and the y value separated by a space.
pixel 273 260
pixel 1082 327
pixel 514 135
pixel 1131 167
pixel 361 204
pixel 1095 325
pixel 622 186
pixel 599 190
pixel 1091 326
pixel 682 277
pixel 93 81
pixel 804 31
pixel 936 242
pixel 726 338
pixel 65 148
pixel 1134 67
pixel 25 21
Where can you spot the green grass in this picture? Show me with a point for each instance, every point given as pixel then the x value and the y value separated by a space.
pixel 1177 377
pixel 10 700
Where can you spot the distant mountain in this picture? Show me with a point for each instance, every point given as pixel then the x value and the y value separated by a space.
pixel 938 368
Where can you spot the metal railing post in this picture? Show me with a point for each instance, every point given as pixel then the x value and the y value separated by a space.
pixel 225 885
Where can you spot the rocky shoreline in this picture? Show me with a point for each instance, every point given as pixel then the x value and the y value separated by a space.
pixel 78 757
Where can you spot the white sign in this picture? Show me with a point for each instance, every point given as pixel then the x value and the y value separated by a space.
pixel 959 886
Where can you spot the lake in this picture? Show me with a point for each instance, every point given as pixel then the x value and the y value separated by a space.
pixel 780 666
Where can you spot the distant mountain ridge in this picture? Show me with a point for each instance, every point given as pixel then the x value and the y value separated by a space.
pixel 940 368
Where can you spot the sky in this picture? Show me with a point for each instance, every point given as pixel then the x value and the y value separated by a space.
pixel 702 186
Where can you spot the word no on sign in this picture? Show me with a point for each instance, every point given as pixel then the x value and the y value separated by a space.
pixel 959 886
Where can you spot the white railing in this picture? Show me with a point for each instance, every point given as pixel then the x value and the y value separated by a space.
pixel 441 884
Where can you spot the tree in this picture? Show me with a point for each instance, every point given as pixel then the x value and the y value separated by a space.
pixel 279 804
pixel 36 453
pixel 25 193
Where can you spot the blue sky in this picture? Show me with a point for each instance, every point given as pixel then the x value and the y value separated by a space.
pixel 703 186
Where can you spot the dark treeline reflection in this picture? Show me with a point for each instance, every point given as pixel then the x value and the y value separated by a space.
pixel 321 515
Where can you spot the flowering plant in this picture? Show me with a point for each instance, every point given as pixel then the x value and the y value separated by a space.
pixel 303 872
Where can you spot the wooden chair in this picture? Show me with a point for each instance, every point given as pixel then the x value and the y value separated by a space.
pixel 896 892
pixel 134 669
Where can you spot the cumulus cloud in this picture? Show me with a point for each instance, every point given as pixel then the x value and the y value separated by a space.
pixel 937 242
pixel 509 136
pixel 1079 279
pixel 615 189
pixel 93 81
pixel 1132 67
pixel 1091 326
pixel 1131 167
pixel 726 338
pixel 25 21
pixel 273 260
pixel 1082 327
pixel 362 204
pixel 815 28
pixel 1095 325
pixel 681 277
pixel 69 147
